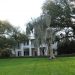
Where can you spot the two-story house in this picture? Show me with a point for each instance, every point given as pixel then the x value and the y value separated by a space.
pixel 28 49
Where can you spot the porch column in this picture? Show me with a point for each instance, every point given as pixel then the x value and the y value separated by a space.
pixel 30 48
pixel 22 50
pixel 16 52
pixel 46 52
pixel 38 52
pixel 22 53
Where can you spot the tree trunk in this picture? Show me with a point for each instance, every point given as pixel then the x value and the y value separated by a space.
pixel 51 54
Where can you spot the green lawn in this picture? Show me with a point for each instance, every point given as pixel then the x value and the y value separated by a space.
pixel 38 66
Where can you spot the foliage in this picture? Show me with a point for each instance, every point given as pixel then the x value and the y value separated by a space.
pixel 60 12
pixel 18 37
pixel 10 36
pixel 38 28
pixel 5 27
pixel 66 47
pixel 6 30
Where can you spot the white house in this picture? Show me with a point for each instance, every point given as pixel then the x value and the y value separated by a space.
pixel 28 49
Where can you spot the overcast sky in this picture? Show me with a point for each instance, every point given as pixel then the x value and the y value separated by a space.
pixel 19 12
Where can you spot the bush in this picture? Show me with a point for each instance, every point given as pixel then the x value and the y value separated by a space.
pixel 67 48
pixel 5 53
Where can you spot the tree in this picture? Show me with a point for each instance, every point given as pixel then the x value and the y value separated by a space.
pixel 6 43
pixel 5 28
pixel 60 12
pixel 42 32
pixel 10 36
pixel 38 27
pixel 18 36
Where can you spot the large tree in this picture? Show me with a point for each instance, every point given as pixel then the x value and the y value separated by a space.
pixel 60 12
pixel 42 32
pixel 6 30
pixel 56 13
pixel 10 36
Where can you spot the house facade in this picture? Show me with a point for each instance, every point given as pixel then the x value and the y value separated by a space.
pixel 28 49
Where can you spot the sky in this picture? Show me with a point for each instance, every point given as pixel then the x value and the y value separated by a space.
pixel 20 12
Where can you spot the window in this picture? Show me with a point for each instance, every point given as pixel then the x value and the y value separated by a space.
pixel 19 53
pixel 26 52
pixel 18 45
pixel 27 42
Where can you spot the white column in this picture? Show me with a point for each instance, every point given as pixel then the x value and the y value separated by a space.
pixel 22 53
pixel 16 53
pixel 30 52
pixel 46 52
pixel 30 49
pixel 38 52
pixel 22 50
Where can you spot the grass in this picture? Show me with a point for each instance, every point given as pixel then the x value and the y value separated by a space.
pixel 38 66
